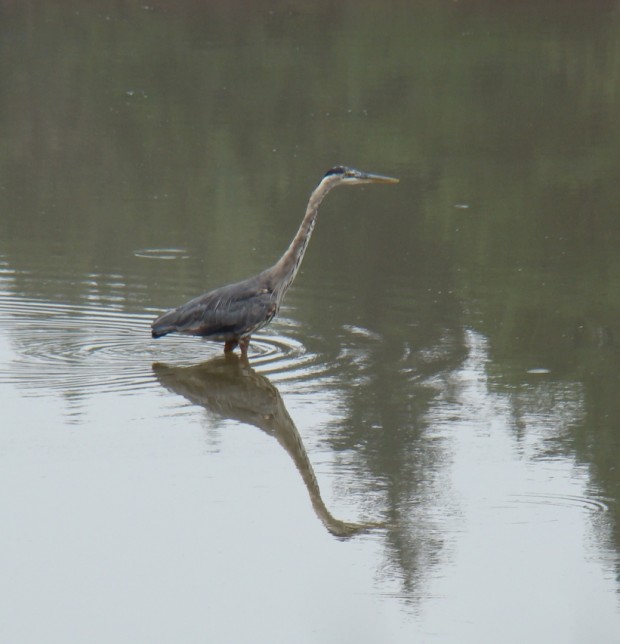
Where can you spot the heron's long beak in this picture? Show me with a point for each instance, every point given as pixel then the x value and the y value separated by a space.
pixel 377 178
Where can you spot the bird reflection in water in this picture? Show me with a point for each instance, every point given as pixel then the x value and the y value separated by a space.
pixel 228 387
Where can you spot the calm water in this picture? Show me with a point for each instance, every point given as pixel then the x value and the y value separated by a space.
pixel 424 445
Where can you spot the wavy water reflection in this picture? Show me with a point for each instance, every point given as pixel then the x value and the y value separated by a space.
pixel 587 504
pixel 162 253
pixel 228 387
pixel 61 347
pixel 103 348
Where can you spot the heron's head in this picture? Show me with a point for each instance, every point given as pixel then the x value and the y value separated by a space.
pixel 350 176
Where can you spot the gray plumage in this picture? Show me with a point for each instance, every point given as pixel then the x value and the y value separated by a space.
pixel 231 314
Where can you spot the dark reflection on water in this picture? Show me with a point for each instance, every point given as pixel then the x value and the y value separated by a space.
pixel 393 386
pixel 231 389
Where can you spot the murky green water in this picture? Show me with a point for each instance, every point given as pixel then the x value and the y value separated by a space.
pixel 425 444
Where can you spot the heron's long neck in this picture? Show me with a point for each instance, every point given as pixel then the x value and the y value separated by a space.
pixel 287 266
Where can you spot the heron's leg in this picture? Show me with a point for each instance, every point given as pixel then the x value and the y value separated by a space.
pixel 244 343
pixel 230 345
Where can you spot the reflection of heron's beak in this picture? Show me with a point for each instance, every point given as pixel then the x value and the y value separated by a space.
pixel 377 178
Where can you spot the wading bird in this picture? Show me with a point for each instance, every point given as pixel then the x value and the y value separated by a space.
pixel 231 314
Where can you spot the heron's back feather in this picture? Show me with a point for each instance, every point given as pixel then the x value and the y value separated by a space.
pixel 226 313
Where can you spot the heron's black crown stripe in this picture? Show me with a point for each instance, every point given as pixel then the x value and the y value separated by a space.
pixel 339 169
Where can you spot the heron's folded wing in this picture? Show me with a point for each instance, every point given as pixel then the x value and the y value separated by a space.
pixel 226 311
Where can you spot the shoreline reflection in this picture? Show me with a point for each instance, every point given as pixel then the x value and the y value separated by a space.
pixel 228 387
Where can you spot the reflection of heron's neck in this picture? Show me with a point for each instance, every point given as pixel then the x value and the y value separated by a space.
pixel 286 268
pixel 230 388
pixel 289 438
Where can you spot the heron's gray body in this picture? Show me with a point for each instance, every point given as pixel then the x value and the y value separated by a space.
pixel 226 314
pixel 231 314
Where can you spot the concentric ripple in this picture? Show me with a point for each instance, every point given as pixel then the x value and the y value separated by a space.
pixel 282 357
pixel 290 354
pixel 58 347
pixel 588 504
pixel 161 253
pixel 54 347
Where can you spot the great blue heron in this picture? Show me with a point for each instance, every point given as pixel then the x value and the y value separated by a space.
pixel 231 314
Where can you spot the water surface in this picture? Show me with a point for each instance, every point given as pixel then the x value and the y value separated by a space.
pixel 424 444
